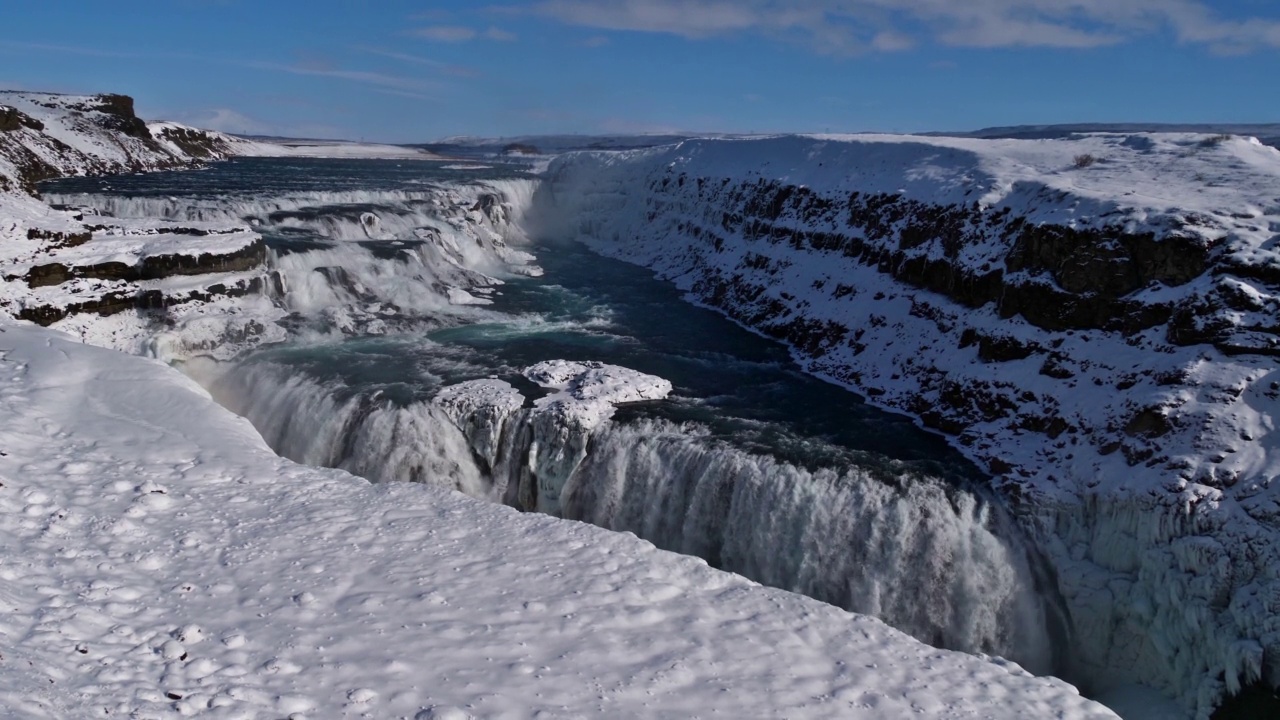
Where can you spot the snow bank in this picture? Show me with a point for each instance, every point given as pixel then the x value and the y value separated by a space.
pixel 161 560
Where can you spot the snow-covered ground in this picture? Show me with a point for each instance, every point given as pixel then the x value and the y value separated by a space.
pixel 1091 317
pixel 160 561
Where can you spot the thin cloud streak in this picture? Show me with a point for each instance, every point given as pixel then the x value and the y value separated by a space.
pixel 446 33
pixel 441 67
pixel 409 87
pixel 461 34
pixel 858 26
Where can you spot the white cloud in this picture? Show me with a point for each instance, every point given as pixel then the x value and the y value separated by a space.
pixel 689 18
pixel 224 120
pixel 499 35
pixel 851 26
pixel 460 33
pixel 446 33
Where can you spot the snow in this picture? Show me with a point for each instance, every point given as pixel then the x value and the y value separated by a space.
pixel 160 561
pixel 559 426
pixel 591 390
pixel 74 139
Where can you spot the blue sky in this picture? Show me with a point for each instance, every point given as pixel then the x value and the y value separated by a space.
pixel 413 70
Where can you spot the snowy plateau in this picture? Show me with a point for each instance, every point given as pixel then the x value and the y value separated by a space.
pixel 1091 319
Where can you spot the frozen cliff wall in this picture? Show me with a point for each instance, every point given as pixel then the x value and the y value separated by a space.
pixel 1092 318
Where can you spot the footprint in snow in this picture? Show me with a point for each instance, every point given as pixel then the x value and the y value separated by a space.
pixel 443 712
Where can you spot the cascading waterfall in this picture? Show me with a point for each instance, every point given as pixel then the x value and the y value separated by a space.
pixel 916 553
pixel 427 206
pixel 366 261
pixel 929 558
pixel 317 424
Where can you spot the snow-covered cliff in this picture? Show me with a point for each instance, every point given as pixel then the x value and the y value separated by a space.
pixel 66 266
pixel 1092 318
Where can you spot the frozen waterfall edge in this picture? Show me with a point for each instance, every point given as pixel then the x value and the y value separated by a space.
pixel 936 561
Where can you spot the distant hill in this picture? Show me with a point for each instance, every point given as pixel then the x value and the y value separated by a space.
pixel 1268 133
pixel 547 144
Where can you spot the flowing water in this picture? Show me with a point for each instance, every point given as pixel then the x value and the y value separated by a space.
pixel 404 277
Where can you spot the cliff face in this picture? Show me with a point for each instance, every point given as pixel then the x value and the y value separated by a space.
pixel 1098 333
pixel 57 264
pixel 45 135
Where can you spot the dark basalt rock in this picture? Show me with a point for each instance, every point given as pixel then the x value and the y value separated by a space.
pixel 1253 702
pixel 1055 366
pixel 196 143
pixel 12 119
pixel 143 300
pixel 1250 342
pixel 1148 422
pixel 1057 278
pixel 1107 262
pixel 519 149
pixel 56 239
pixel 153 267
pixel 1198 321
pixel 120 115
pixel 247 258
pixel 108 304
pixel 1003 349
pixel 339 277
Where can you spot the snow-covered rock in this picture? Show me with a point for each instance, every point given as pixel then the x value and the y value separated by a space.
pixel 99 276
pixel 58 135
pixel 536 451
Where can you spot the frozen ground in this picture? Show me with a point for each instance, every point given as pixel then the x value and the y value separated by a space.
pixel 159 561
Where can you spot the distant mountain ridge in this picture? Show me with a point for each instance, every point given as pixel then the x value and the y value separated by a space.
pixel 1268 133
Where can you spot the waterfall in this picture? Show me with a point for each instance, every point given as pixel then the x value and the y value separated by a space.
pixel 321 424
pixel 929 558
pixel 933 559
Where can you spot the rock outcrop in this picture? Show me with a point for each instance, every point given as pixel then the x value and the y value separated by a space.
pixel 58 263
